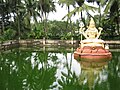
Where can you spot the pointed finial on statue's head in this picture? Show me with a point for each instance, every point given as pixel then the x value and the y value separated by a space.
pixel 92 23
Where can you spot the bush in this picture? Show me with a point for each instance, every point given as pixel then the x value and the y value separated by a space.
pixel 8 34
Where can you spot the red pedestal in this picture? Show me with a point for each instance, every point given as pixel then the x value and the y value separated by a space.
pixel 97 53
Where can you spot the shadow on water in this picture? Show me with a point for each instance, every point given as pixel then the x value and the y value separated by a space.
pixel 45 70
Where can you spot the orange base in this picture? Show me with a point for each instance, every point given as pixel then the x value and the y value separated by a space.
pixel 88 53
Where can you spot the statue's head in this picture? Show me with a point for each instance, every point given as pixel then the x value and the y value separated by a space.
pixel 92 23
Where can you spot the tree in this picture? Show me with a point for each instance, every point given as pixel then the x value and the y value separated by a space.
pixel 45 7
pixel 4 15
pixel 68 3
pixel 109 20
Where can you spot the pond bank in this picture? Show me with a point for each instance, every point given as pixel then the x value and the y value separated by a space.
pixel 49 43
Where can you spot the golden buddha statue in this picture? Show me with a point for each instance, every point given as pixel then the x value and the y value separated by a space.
pixel 91 34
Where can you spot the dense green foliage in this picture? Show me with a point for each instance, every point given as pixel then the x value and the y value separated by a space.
pixel 16 17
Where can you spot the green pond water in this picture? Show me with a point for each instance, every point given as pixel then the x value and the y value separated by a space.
pixel 29 69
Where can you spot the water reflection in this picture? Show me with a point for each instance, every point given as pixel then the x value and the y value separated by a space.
pixel 43 70
pixel 26 70
pixel 93 73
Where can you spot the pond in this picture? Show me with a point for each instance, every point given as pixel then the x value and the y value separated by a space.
pixel 29 69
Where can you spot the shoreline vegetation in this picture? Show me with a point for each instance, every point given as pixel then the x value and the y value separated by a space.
pixel 28 19
pixel 20 26
pixel 49 43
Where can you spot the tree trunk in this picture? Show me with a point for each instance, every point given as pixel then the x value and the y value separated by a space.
pixel 18 26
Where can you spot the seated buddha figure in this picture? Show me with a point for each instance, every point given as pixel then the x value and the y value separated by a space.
pixel 91 34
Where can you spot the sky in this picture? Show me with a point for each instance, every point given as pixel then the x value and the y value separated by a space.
pixel 62 11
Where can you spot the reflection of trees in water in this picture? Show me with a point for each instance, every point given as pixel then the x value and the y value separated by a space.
pixel 17 71
pixel 114 72
pixel 22 69
pixel 94 76
pixel 103 77
pixel 68 79
pixel 91 74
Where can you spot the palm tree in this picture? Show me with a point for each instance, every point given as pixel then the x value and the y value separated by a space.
pixel 45 7
pixel 23 11
pixel 31 10
pixel 68 3
pixel 9 7
pixel 79 7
